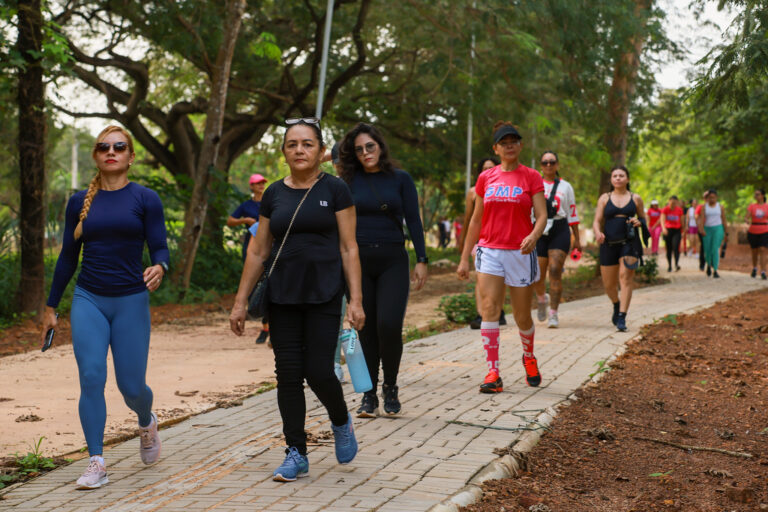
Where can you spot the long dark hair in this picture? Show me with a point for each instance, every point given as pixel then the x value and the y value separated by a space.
pixel 481 162
pixel 349 162
pixel 622 168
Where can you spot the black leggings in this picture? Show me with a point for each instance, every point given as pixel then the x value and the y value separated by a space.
pixel 385 295
pixel 672 242
pixel 304 340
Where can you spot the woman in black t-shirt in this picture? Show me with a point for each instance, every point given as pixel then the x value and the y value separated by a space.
pixel 305 289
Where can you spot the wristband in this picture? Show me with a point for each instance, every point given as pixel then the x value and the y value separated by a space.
pixel 422 259
pixel 165 266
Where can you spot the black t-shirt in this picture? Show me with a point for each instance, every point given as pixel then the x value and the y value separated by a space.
pixel 309 269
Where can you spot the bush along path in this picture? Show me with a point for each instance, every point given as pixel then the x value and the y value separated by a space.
pixel 678 422
pixel 447 440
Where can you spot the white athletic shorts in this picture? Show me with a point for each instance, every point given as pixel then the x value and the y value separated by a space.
pixel 517 269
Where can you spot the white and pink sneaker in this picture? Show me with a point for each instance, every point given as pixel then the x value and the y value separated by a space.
pixel 149 442
pixel 95 475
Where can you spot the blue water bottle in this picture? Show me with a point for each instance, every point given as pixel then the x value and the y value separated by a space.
pixel 358 370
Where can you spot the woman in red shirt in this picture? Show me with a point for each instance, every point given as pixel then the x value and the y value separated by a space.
pixel 671 226
pixel 757 216
pixel 654 226
pixel 506 252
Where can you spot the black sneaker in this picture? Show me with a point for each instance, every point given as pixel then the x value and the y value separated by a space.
pixel 715 274
pixel 677 268
pixel 763 276
pixel 475 324
pixel 621 322
pixel 615 316
pixel 368 405
pixel 669 268
pixel 709 271
pixel 263 337
pixel 391 403
pixel 754 273
pixel 502 318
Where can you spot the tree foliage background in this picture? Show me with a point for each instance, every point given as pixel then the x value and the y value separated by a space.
pixel 568 72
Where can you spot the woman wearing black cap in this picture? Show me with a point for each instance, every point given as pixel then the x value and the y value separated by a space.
pixel 384 196
pixel 617 230
pixel 506 252
pixel 469 206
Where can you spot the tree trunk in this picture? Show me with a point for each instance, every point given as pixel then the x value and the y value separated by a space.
pixel 621 93
pixel 194 217
pixel 32 136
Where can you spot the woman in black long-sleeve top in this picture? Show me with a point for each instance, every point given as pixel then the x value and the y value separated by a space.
pixel 384 196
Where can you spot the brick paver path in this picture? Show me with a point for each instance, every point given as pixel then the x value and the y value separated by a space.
pixel 223 460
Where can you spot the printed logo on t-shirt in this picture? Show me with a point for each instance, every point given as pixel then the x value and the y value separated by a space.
pixel 673 218
pixel 503 192
pixel 323 203
pixel 759 214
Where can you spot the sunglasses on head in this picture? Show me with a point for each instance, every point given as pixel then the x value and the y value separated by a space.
pixel 118 147
pixel 548 162
pixel 307 120
pixel 370 147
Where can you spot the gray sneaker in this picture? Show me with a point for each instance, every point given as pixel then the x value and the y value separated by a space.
pixel 149 442
pixel 541 313
pixel 553 322
pixel 94 477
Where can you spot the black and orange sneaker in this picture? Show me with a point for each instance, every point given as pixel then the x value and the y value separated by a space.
pixel 532 375
pixel 492 383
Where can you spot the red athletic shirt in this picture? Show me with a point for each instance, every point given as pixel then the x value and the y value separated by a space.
pixel 759 213
pixel 507 202
pixel 673 217
pixel 654 214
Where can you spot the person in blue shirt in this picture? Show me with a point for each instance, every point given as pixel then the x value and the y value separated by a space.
pixel 111 222
pixel 247 214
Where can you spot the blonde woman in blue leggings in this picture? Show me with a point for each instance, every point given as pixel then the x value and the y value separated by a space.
pixel 712 226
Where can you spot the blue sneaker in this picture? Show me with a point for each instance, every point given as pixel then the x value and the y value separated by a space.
pixel 346 444
pixel 294 466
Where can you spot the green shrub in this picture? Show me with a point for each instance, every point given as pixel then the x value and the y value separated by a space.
pixel 460 308
pixel 648 272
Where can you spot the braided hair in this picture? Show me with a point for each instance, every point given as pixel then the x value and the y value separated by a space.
pixel 95 184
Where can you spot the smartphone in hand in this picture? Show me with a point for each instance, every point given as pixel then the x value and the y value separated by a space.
pixel 49 337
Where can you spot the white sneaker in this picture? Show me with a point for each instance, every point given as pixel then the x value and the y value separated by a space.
pixel 553 322
pixel 541 313
pixel 339 371
pixel 94 477
pixel 149 442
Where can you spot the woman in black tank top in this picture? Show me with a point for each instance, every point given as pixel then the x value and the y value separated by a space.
pixel 617 226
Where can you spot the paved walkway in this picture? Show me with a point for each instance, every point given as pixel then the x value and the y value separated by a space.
pixel 223 460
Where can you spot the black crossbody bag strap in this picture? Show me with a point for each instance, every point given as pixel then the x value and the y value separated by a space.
pixel 384 207
pixel 551 210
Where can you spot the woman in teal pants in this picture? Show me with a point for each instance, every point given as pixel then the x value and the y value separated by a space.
pixel 712 226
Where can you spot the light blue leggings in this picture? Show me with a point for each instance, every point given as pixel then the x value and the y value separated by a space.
pixel 99 322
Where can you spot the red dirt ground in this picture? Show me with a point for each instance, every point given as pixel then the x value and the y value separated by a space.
pixel 708 388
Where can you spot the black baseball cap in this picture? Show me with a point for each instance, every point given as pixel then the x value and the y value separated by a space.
pixel 335 153
pixel 503 131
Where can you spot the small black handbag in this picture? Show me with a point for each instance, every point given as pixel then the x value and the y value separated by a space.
pixel 257 301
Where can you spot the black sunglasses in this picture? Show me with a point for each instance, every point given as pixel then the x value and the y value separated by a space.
pixel 119 147
pixel 306 120
pixel 548 162
pixel 370 147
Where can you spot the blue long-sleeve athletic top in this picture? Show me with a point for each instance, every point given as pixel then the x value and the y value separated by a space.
pixel 118 224
pixel 398 191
